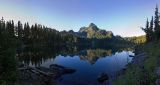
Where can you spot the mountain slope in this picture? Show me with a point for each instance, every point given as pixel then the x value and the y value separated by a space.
pixel 92 31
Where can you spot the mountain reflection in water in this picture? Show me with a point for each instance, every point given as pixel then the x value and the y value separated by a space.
pixel 89 64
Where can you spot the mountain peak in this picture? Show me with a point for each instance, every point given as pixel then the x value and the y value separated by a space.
pixel 92 25
pixel 94 32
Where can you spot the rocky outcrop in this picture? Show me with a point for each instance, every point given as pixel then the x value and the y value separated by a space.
pixel 92 31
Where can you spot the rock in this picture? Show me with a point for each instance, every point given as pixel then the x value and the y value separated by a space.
pixel 92 31
pixel 157 71
pixel 157 82
pixel 103 77
pixel 60 69
pixel 131 55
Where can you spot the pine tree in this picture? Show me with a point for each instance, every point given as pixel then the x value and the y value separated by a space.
pixel 156 23
pixel 147 31
pixel 151 30
pixel 20 30
pixel 2 25
pixel 26 30
pixel 10 28
pixel 26 33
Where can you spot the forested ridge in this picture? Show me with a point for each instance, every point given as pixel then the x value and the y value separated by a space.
pixel 40 35
pixel 33 35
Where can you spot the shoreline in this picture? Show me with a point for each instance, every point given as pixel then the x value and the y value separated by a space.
pixel 144 68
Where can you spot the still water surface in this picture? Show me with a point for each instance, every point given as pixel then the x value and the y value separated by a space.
pixel 89 64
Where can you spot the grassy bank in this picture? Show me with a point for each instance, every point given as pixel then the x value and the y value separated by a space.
pixel 144 74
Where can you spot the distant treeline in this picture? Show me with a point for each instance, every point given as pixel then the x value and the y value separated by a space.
pixel 136 40
pixel 39 35
pixel 34 34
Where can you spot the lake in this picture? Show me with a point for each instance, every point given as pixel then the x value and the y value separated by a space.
pixel 89 64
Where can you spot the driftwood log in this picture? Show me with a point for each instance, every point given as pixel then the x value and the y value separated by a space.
pixel 47 74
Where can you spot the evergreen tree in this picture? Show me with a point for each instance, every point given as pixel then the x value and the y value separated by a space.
pixel 26 32
pixel 151 24
pixel 10 29
pixel 20 30
pixel 8 68
pixel 151 30
pixel 2 25
pixel 36 34
pixel 147 30
pixel 156 23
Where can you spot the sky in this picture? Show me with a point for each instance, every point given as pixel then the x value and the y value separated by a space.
pixel 122 17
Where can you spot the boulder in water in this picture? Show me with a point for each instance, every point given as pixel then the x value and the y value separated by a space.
pixel 131 55
pixel 103 77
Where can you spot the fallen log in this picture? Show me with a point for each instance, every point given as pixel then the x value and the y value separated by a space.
pixel 35 71
pixel 54 71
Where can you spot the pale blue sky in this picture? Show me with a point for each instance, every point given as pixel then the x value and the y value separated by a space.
pixel 123 17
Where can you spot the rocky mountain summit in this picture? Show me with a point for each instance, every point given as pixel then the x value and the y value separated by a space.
pixel 92 31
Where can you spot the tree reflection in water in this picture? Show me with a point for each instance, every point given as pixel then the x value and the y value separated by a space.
pixel 37 56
